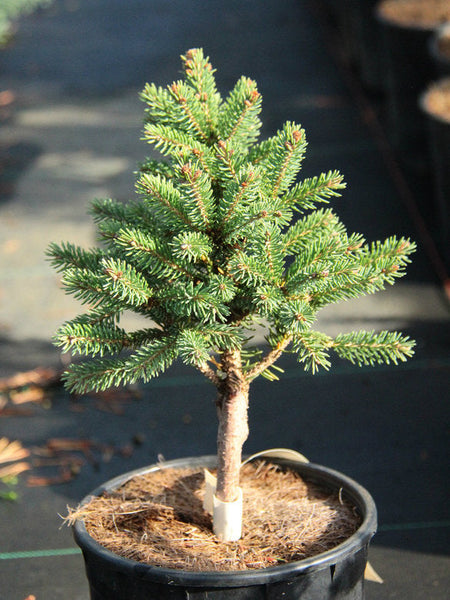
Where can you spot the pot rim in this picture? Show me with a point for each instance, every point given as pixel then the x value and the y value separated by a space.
pixel 361 538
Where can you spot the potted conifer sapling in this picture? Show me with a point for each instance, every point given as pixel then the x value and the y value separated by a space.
pixel 222 236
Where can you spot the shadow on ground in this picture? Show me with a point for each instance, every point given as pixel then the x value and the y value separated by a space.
pixel 15 159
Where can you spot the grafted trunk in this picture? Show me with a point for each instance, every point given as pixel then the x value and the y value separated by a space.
pixel 232 408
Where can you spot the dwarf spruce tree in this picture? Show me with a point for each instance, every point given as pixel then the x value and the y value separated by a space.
pixel 221 236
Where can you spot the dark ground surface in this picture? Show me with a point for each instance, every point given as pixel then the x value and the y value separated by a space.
pixel 385 427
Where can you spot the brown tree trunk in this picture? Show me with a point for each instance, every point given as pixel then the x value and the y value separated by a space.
pixel 232 408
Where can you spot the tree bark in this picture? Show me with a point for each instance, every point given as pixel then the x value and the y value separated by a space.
pixel 232 408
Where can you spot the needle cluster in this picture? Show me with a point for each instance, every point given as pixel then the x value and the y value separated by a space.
pixel 222 235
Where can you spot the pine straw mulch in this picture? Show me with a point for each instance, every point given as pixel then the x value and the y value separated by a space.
pixel 158 519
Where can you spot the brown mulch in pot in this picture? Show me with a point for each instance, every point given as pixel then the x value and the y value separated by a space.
pixel 158 519
pixel 419 13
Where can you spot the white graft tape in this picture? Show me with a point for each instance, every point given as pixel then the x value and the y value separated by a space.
pixel 227 519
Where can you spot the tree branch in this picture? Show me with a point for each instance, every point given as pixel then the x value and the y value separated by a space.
pixel 269 359
pixel 209 374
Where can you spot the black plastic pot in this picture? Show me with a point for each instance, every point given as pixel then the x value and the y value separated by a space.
pixel 439 146
pixel 335 574
pixel 408 69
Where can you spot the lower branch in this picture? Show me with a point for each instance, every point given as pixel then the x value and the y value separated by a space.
pixel 209 373
pixel 269 359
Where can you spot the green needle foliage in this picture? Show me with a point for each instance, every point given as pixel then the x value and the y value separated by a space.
pixel 221 237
